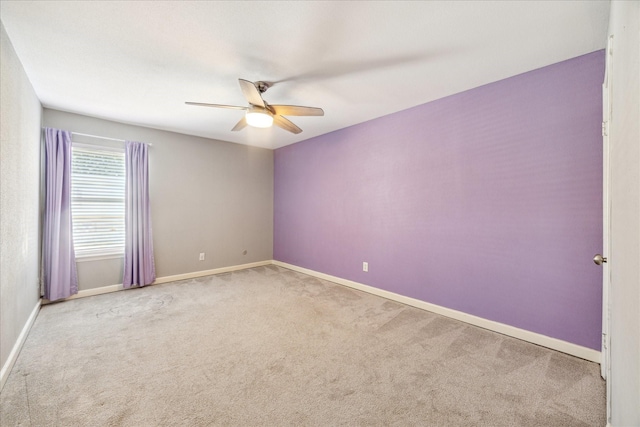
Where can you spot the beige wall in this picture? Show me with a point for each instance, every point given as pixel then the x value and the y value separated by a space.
pixel 206 196
pixel 624 256
pixel 20 117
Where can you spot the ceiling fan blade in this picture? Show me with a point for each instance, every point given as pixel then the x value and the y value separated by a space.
pixel 251 93
pixel 296 110
pixel 202 104
pixel 240 125
pixel 285 124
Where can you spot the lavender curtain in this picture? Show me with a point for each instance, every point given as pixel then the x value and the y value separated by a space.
pixel 58 256
pixel 139 267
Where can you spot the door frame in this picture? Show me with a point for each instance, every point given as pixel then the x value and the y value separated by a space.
pixel 605 366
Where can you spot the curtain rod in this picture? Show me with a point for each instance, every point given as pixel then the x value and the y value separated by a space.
pixel 105 137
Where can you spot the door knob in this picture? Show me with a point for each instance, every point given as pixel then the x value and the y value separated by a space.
pixel 599 259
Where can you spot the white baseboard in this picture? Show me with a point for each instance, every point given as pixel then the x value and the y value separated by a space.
pixel 114 288
pixel 91 292
pixel 8 365
pixel 512 331
pixel 210 272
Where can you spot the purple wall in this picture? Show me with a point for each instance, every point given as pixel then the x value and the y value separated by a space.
pixel 487 202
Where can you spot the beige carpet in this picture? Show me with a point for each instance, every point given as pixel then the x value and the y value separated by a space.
pixel 271 347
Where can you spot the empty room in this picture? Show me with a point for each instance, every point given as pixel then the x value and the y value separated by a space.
pixel 266 213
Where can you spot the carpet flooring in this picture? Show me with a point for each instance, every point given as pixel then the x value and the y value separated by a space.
pixel 268 346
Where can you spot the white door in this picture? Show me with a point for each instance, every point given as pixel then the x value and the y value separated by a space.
pixel 606 210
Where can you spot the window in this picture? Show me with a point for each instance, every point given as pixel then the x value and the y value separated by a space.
pixel 97 200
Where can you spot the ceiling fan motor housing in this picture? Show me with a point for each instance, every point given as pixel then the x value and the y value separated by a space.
pixel 262 86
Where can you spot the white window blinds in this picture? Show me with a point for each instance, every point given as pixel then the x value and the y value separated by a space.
pixel 97 200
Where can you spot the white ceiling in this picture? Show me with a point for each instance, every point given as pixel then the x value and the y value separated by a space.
pixel 138 62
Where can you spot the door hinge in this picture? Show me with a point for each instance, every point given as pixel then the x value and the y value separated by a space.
pixel 605 128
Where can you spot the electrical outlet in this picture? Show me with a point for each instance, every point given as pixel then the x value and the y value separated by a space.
pixel 201 256
pixel 365 266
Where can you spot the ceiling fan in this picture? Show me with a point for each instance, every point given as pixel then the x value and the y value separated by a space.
pixel 261 114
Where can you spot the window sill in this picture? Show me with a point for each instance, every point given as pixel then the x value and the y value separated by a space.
pixel 85 258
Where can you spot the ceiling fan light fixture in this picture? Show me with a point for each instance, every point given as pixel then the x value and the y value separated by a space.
pixel 259 119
